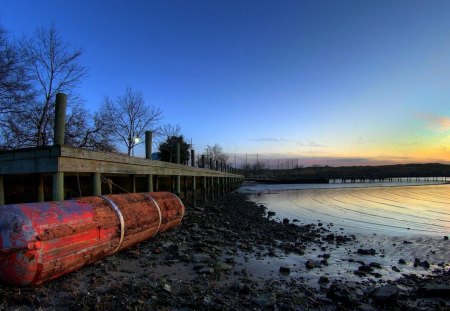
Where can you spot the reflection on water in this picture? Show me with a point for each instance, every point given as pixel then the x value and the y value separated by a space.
pixel 400 210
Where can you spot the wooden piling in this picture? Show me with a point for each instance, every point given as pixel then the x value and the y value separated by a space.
pixel 40 188
pixel 2 191
pixel 58 186
pixel 60 118
pixel 133 183
pixel 194 191
pixel 148 144
pixel 97 184
pixel 156 185
pixel 204 187
pixel 192 158
pixel 177 177
pixel 150 183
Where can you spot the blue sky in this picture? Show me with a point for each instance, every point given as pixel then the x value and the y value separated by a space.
pixel 329 82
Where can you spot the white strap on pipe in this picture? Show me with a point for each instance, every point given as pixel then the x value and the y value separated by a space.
pixel 148 196
pixel 120 216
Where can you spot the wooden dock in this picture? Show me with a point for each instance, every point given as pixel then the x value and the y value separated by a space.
pixel 62 172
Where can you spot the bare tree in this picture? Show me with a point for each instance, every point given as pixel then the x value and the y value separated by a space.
pixel 169 130
pixel 15 89
pixel 216 153
pixel 54 67
pixel 129 117
pixel 86 131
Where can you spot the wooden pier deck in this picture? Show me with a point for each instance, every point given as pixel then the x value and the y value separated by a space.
pixel 48 171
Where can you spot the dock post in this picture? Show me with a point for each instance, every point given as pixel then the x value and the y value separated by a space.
pixel 97 183
pixel 40 188
pixel 2 191
pixel 149 183
pixel 217 166
pixel 58 186
pixel 204 188
pixel 194 191
pixel 192 158
pixel 210 188
pixel 60 119
pixel 148 145
pixel 133 183
pixel 203 161
pixel 156 183
pixel 177 177
pixel 210 163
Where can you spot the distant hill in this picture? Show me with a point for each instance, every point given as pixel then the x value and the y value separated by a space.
pixel 374 172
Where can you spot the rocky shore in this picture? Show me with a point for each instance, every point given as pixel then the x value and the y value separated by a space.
pixel 231 254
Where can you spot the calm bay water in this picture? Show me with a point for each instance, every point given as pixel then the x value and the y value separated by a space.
pixel 395 209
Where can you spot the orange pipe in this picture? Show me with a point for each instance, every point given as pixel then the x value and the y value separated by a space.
pixel 42 241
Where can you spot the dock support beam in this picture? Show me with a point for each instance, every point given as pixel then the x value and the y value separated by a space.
pixel 58 186
pixel 156 183
pixel 133 183
pixel 177 177
pixel 150 183
pixel 40 189
pixel 2 191
pixel 194 191
pixel 97 184
pixel 204 193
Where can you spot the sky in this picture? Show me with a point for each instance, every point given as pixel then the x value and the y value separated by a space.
pixel 325 82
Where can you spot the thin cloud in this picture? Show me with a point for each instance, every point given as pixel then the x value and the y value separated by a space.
pixel 272 139
pixel 435 122
pixel 311 144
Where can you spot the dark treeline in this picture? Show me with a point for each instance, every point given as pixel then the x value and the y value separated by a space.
pixel 367 172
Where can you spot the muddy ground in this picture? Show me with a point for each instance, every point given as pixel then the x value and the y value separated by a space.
pixel 232 255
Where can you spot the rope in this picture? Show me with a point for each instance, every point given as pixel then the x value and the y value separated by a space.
pixel 110 183
pixel 79 186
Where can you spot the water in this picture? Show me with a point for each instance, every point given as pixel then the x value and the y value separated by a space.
pixel 393 209
pixel 398 220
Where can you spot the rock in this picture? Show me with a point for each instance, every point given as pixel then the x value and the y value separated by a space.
pixel 370 252
pixel 446 237
pixel 407 242
pixel 323 280
pixel 329 237
pixel 266 299
pixel 425 264
pixel 402 261
pixel 365 268
pixel 206 270
pixel 285 221
pixel 385 294
pixel 157 251
pixel 167 244
pixel 375 265
pixel 285 270
pixel 310 264
pixel 394 268
pixel 431 289
pixel 270 214
pixel 224 266
pixel 167 288
pixel 200 258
